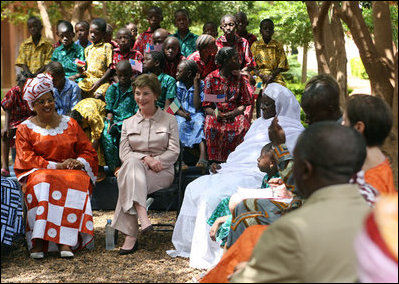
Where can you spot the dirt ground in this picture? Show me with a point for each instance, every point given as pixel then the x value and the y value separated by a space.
pixel 149 264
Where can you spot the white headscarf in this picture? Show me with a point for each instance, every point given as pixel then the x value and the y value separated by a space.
pixel 36 87
pixel 286 102
pixel 244 157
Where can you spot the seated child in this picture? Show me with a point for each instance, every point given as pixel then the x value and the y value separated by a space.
pixel 68 51
pixel 158 38
pixel 58 43
pixel 132 27
pixel 16 111
pixel 98 60
pixel 210 28
pixel 82 33
pixel 108 36
pixel 205 55
pixel 171 50
pixel 231 39
pixel 123 52
pixel 221 217
pixel 66 92
pixel 154 17
pixel 242 23
pixel 186 38
pixel 36 51
pixel 154 62
pixel 120 106
pixel 190 117
pixel 90 114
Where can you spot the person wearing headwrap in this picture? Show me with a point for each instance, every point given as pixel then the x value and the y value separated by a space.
pixel 191 233
pixel 205 55
pixel 57 167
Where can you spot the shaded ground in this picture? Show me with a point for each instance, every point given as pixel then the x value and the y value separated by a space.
pixel 149 264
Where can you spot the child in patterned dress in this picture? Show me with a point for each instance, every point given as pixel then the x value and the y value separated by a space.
pixel 99 59
pixel 16 111
pixel 190 116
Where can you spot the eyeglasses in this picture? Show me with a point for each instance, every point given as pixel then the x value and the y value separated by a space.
pixel 42 102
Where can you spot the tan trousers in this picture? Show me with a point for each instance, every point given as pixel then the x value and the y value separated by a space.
pixel 135 182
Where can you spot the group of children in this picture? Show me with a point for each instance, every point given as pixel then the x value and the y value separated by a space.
pixel 96 66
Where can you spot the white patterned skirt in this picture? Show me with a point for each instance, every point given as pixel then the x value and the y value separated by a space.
pixel 59 209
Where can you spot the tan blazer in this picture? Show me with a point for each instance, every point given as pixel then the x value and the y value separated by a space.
pixel 157 136
pixel 314 243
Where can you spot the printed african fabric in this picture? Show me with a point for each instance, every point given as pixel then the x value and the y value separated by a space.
pixel 58 201
pixel 242 47
pixel 131 54
pixel 171 66
pixel 269 57
pixel 93 113
pixel 222 137
pixel 187 44
pixel 67 56
pixel 205 66
pixel 223 210
pixel 190 131
pixel 18 107
pixel 98 60
pixel 142 40
pixel 122 105
pixel 34 56
pixel 251 38
pixel 12 221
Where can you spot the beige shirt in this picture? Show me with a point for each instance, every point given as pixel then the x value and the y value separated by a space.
pixel 314 243
pixel 157 137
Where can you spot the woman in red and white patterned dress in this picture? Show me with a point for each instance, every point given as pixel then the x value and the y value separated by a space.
pixel 225 122
pixel 57 167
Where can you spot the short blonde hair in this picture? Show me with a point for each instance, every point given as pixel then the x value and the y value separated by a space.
pixel 151 81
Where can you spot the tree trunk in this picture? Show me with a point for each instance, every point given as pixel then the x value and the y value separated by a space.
pixel 329 41
pixel 380 59
pixel 48 32
pixel 79 10
pixel 304 63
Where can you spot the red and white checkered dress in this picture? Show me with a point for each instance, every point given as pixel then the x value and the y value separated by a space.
pixel 58 201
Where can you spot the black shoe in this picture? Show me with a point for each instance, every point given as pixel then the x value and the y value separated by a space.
pixel 147 230
pixel 125 251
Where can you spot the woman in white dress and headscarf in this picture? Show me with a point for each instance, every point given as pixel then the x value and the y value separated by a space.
pixel 191 234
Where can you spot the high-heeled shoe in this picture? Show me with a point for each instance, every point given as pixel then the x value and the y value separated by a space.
pixel 147 230
pixel 129 251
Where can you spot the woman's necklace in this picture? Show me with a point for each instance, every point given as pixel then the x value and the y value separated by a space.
pixel 46 125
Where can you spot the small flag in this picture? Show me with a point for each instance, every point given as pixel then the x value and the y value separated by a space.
pixel 79 62
pixel 258 88
pixel 136 65
pixel 174 106
pixel 149 48
pixel 215 98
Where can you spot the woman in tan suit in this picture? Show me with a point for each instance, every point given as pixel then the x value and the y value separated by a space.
pixel 148 149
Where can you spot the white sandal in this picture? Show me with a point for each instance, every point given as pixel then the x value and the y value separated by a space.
pixel 66 254
pixel 37 255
